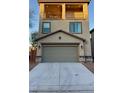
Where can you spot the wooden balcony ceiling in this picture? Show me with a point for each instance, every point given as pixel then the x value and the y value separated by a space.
pixel 53 8
pixel 74 8
pixel 46 1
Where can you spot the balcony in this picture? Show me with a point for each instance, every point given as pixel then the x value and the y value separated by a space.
pixel 63 11
pixel 53 12
pixel 74 12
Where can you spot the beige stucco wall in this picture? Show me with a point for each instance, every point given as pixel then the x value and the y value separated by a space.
pixel 64 25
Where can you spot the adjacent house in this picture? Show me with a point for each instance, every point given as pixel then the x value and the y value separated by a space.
pixel 64 31
pixel 92 42
pixel 34 35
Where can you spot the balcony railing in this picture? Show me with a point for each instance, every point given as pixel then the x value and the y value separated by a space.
pixel 68 15
pixel 52 16
pixel 74 15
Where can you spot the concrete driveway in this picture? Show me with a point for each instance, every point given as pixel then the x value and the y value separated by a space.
pixel 61 78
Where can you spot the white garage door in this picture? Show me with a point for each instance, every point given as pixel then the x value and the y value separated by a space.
pixel 60 54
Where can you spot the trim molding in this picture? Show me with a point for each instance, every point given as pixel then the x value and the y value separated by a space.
pixel 60 43
pixel 64 2
pixel 39 56
pixel 85 56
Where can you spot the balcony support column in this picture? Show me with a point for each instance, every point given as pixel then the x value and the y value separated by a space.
pixel 85 11
pixel 63 11
pixel 42 10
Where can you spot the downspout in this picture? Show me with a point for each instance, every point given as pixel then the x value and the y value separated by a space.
pixel 84 49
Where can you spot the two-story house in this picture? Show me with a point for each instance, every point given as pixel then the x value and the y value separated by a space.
pixel 63 31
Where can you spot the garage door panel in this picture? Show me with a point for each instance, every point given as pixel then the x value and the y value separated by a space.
pixel 60 54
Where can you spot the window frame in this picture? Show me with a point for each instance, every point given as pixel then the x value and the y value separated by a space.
pixel 43 28
pixel 75 32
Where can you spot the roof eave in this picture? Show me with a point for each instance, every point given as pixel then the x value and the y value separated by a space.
pixel 57 32
pixel 64 1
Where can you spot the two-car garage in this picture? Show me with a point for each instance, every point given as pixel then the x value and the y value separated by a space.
pixel 60 46
pixel 60 54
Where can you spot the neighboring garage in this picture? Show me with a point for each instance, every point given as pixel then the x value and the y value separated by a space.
pixel 60 54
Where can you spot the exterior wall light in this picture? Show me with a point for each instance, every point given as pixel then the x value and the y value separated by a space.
pixel 81 47
pixel 39 47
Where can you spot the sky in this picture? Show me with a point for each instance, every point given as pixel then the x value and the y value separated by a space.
pixel 33 5
pixel 91 15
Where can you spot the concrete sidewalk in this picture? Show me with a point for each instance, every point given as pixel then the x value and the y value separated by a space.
pixel 61 78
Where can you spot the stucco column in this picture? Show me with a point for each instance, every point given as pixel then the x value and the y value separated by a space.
pixel 42 10
pixel 85 10
pixel 63 11
pixel 87 46
pixel 38 54
pixel 81 52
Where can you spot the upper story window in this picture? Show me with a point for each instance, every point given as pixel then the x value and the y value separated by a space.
pixel 75 27
pixel 46 27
